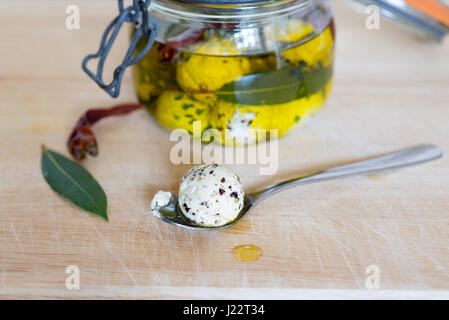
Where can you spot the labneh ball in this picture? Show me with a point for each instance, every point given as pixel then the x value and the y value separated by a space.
pixel 211 195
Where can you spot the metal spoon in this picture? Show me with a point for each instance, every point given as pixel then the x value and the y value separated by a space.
pixel 172 215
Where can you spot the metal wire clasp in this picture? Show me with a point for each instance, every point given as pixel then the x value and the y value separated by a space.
pixel 146 26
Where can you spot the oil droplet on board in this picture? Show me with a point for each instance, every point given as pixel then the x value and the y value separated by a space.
pixel 375 176
pixel 247 252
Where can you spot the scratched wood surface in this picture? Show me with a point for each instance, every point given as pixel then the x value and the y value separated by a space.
pixel 391 91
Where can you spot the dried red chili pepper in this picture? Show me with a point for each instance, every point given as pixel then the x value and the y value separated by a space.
pixel 82 140
pixel 332 26
pixel 192 36
pixel 166 53
pixel 186 38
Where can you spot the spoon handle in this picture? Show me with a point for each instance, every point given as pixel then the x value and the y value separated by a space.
pixel 400 159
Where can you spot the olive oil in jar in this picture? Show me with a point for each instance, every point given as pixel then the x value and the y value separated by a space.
pixel 234 92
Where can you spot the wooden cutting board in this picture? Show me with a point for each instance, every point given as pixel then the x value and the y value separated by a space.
pixel 391 92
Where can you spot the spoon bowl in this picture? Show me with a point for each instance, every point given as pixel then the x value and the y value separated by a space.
pixel 172 214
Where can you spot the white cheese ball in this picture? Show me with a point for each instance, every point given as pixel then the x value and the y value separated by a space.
pixel 211 195
pixel 160 199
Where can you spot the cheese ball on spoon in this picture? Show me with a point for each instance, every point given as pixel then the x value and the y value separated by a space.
pixel 210 195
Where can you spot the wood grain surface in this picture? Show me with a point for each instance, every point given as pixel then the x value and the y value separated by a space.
pixel 391 91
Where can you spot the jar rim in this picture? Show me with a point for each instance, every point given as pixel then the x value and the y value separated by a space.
pixel 237 10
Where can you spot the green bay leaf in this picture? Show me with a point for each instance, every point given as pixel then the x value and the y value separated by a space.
pixel 276 87
pixel 74 183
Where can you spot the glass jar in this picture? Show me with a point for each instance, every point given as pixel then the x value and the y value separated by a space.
pixel 237 67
